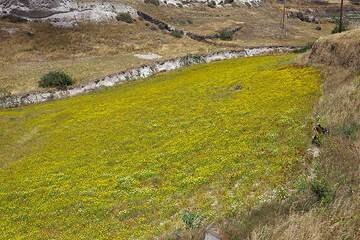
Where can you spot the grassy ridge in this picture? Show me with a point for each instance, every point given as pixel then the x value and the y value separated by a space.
pixel 125 162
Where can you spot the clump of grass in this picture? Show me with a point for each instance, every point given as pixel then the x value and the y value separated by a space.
pixel 321 189
pixel 125 17
pixel 56 79
pixel 226 35
pixel 349 130
pixel 4 93
pixel 177 33
pixel 344 27
pixel 153 2
pixel 305 48
pixel 191 220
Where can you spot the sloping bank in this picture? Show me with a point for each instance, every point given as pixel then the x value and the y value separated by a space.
pixel 135 73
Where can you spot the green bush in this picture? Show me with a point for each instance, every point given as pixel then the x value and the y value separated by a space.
pixel 153 2
pixel 322 190
pixel 191 220
pixel 177 33
pixel 304 48
pixel 226 35
pixel 125 17
pixel 56 79
pixel 344 27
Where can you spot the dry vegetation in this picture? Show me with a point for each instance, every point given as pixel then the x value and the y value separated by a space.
pixel 90 51
pixel 86 52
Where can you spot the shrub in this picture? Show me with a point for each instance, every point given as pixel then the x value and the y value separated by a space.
pixel 125 17
pixel 212 4
pixel 153 2
pixel 304 48
pixel 322 190
pixel 191 220
pixel 56 79
pixel 177 33
pixel 349 130
pixel 344 27
pixel 226 35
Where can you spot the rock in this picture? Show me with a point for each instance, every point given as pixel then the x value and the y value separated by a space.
pixel 9 30
pixel 303 16
pixel 63 13
pixel 212 233
pixel 148 56
pixel 318 28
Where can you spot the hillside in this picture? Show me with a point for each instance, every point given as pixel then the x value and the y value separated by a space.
pixel 179 119
pixel 86 51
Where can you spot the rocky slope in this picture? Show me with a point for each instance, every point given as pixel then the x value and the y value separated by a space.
pixel 68 12
pixel 63 12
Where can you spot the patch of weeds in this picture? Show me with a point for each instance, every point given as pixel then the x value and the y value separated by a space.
pixel 56 79
pixel 337 29
pixel 316 140
pixel 226 35
pixel 321 189
pixel 212 4
pixel 357 82
pixel 4 93
pixel 301 184
pixel 304 48
pixel 153 2
pixel 191 220
pixel 125 182
pixel 349 130
pixel 355 2
pixel 124 17
pixel 177 33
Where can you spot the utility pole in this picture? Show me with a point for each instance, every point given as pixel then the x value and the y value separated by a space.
pixel 341 16
pixel 283 26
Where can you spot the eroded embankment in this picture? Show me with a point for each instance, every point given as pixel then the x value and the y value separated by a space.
pixel 339 50
pixel 133 74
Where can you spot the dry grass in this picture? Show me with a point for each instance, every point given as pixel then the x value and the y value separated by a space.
pixel 86 52
pixel 260 26
pixel 339 50
pixel 91 51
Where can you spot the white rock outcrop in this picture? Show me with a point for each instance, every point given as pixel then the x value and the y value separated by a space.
pixel 63 12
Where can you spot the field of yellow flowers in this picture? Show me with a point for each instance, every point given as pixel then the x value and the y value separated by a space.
pixel 128 162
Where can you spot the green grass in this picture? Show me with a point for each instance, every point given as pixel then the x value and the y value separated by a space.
pixel 126 162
